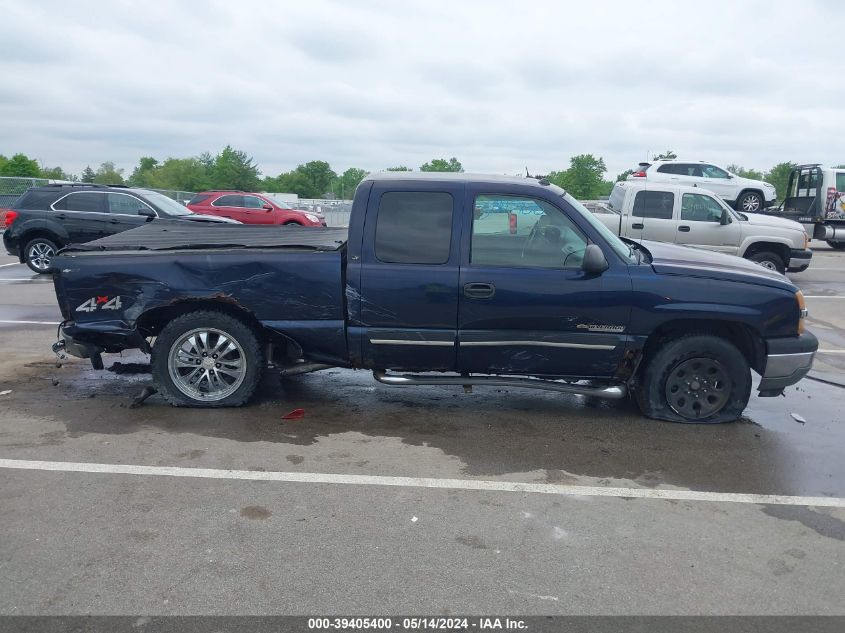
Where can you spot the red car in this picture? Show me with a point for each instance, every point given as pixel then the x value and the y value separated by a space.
pixel 252 208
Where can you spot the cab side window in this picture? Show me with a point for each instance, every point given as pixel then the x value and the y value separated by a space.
pixel 696 207
pixel 516 231
pixel 124 204
pixel 654 204
pixel 414 227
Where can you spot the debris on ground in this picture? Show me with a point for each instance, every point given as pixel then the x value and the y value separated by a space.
pixel 55 382
pixel 5 392
pixel 296 414
pixel 130 368
pixel 414 519
pixel 146 392
pixel 798 418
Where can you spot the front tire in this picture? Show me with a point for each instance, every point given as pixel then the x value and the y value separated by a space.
pixel 696 378
pixel 837 245
pixel 750 202
pixel 207 359
pixel 769 261
pixel 39 253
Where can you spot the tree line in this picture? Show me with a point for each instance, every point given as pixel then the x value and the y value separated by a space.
pixel 584 178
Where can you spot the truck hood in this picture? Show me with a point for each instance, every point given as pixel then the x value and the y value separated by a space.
pixel 671 259
pixel 759 219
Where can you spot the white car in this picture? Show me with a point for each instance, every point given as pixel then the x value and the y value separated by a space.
pixel 743 194
pixel 696 217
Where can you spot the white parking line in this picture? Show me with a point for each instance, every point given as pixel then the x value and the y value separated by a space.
pixel 822 297
pixel 831 351
pixel 26 279
pixel 12 264
pixel 31 322
pixel 421 482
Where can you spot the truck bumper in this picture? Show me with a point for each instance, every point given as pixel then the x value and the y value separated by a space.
pixel 788 361
pixel 91 340
pixel 799 259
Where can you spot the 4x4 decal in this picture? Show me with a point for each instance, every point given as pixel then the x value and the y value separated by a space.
pixel 100 302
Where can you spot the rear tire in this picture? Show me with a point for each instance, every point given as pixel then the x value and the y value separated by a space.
pixel 768 260
pixel 696 378
pixel 207 359
pixel 38 254
pixel 750 202
pixel 837 245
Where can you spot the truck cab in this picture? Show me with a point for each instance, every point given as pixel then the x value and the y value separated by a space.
pixel 692 216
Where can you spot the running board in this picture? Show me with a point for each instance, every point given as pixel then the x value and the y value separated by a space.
pixel 610 392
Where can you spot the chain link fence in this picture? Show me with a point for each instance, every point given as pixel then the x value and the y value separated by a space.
pixel 12 188
pixel 337 212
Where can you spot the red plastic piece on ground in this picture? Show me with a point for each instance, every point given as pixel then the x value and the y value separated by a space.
pixel 296 414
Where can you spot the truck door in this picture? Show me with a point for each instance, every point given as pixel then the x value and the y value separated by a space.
pixel 652 217
pixel 526 307
pixel 406 308
pixel 701 224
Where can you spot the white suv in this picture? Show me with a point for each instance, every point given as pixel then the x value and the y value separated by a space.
pixel 743 194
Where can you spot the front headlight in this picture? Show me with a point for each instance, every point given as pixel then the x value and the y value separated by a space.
pixel 806 240
pixel 312 217
pixel 802 311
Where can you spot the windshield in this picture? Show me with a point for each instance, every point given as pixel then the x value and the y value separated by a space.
pixel 168 205
pixel 621 248
pixel 281 203
pixel 735 215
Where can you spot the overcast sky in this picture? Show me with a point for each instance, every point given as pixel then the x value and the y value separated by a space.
pixel 371 83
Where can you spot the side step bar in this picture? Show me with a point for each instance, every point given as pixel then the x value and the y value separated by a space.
pixel 302 367
pixel 610 392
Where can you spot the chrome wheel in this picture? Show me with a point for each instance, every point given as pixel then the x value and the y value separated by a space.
pixel 751 203
pixel 768 265
pixel 40 254
pixel 698 387
pixel 207 364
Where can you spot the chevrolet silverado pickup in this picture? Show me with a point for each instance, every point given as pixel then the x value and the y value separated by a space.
pixel 444 279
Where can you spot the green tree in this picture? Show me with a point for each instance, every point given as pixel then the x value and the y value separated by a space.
pixel 584 179
pixel 181 174
pixel 141 174
pixel 742 172
pixel 441 164
pixel 398 168
pixel 667 155
pixel 88 174
pixel 56 173
pixel 108 174
pixel 344 186
pixel 233 169
pixel 624 175
pixel 20 165
pixel 3 161
pixel 779 177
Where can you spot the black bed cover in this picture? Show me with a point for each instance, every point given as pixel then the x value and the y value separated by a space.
pixel 175 235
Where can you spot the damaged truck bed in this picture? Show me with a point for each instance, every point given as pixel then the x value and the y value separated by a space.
pixel 457 279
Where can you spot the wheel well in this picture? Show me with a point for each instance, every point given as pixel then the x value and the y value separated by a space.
pixel 30 235
pixel 151 322
pixel 757 191
pixel 781 250
pixel 746 340
pixel 289 222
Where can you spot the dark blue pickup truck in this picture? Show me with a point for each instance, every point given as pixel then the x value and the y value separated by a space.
pixel 451 279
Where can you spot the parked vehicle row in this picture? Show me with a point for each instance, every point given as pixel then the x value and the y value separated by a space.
pixel 482 280
pixel 693 216
pixel 743 194
pixel 46 219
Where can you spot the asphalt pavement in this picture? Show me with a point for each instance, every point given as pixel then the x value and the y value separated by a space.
pixel 419 500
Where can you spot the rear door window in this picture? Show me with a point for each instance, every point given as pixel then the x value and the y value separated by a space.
pixel 82 201
pixel 654 204
pixel 229 201
pixel 414 227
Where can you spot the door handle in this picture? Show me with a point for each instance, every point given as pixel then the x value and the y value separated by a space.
pixel 61 216
pixel 684 228
pixel 113 221
pixel 479 290
pixel 637 225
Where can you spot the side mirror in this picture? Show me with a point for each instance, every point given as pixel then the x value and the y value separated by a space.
pixel 725 219
pixel 594 261
pixel 267 207
pixel 147 213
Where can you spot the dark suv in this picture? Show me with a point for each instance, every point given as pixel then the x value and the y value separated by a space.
pixel 45 219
